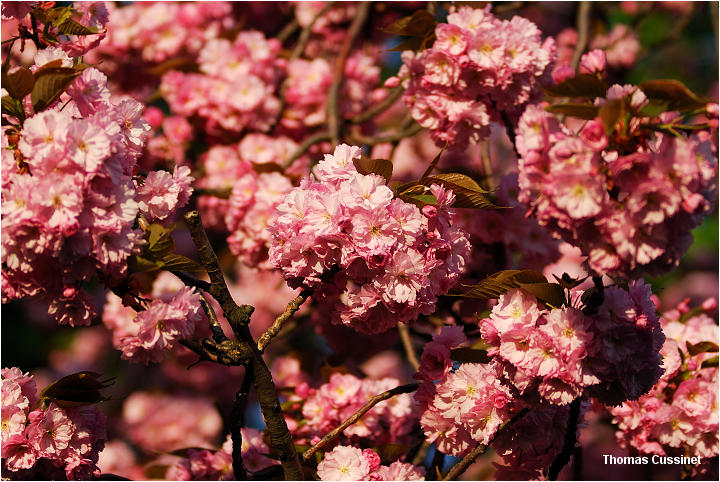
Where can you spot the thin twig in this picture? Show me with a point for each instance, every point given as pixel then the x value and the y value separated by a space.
pixel 404 332
pixel 288 30
pixel 237 420
pixel 306 144
pixel 392 137
pixel 583 26
pixel 357 415
pixel 378 108
pixel 458 469
pixel 569 443
pixel 236 315
pixel 333 102
pixel 279 322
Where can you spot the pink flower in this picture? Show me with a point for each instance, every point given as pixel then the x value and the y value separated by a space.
pixel 18 453
pixel 162 194
pixel 50 431
pixel 343 463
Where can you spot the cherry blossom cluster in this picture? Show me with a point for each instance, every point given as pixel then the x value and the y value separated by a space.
pixel 158 422
pixel 629 200
pixel 202 464
pixel 479 69
pixel 342 233
pixel 159 31
pixel 91 14
pixel 679 415
pixel 329 405
pixel 236 89
pixel 460 408
pixel 68 198
pixel 350 463
pixel 47 440
pixel 540 350
pixel 162 193
pixel 173 315
pixel 613 354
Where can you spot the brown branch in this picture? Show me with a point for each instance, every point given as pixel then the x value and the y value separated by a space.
pixel 288 30
pixel 357 415
pixel 378 108
pixel 392 137
pixel 306 144
pixel 217 333
pixel 458 469
pixel 583 26
pixel 236 315
pixel 404 332
pixel 333 107
pixel 192 281
pixel 237 420
pixel 569 442
pixel 277 325
pixel 243 351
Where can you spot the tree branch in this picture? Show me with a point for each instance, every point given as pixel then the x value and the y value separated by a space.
pixel 378 108
pixel 215 328
pixel 404 332
pixel 583 26
pixel 277 325
pixel 236 315
pixel 458 469
pixel 306 144
pixel 333 107
pixel 392 137
pixel 237 420
pixel 357 416
pixel 192 281
pixel 569 443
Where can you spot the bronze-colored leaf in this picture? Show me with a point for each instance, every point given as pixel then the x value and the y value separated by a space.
pixel 499 283
pixel 416 25
pixel 468 193
pixel 19 83
pixel 138 264
pixel 701 347
pixel 434 163
pixel 610 113
pixel 381 167
pixel 390 452
pixel 581 111
pixel 82 388
pixel 551 293
pixel 582 85
pixel 710 362
pixel 10 107
pixel 71 27
pixel 50 83
pixel 675 93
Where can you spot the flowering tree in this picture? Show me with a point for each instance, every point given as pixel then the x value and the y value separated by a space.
pixel 268 248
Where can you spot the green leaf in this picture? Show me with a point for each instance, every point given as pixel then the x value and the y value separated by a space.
pixel 610 113
pixel 470 355
pixel 82 388
pixel 581 111
pixel 702 347
pixel 710 362
pixel 499 283
pixel 381 167
pixel 71 27
pixel 655 107
pixel 51 80
pixel 418 195
pixel 160 242
pixel 19 83
pixel 675 93
pixel 176 262
pixel 139 264
pixel 582 85
pixel 10 107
